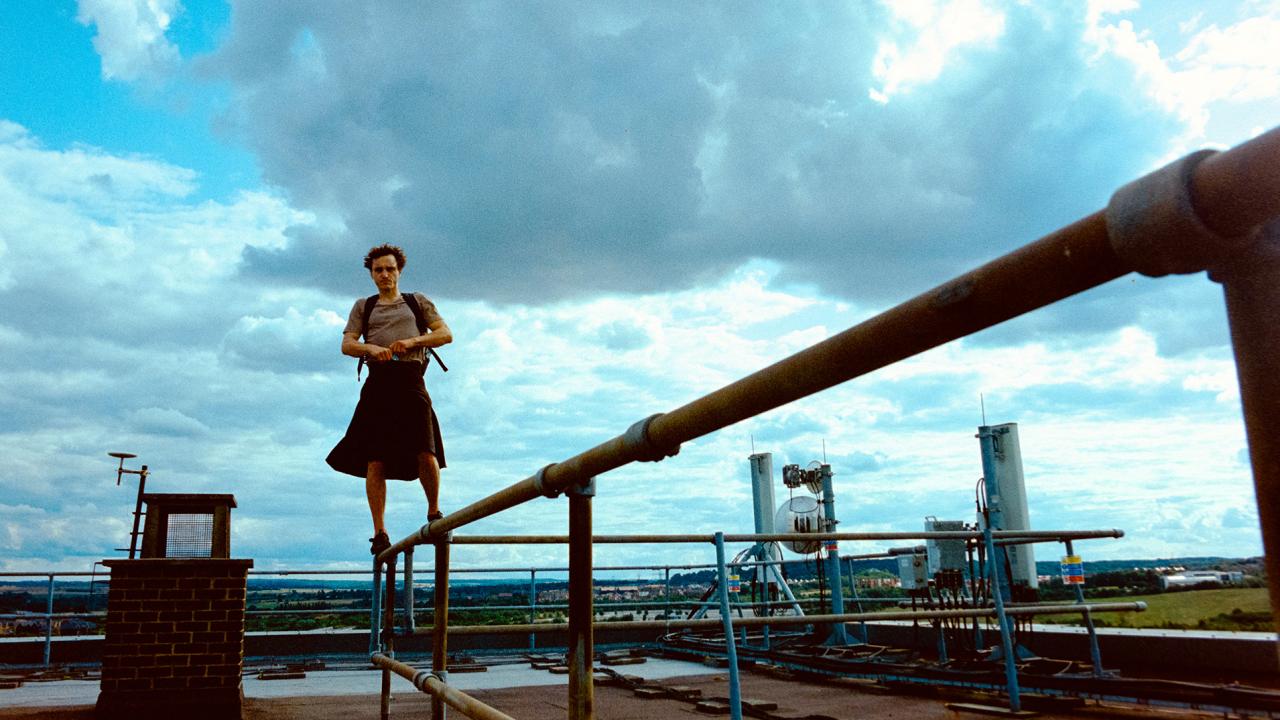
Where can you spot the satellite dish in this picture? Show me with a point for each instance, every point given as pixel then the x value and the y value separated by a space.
pixel 801 514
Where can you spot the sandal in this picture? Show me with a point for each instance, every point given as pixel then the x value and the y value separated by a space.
pixel 432 517
pixel 379 542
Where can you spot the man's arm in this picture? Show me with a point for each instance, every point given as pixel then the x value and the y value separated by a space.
pixel 438 334
pixel 352 346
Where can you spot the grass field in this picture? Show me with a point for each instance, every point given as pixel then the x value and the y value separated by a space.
pixel 1223 609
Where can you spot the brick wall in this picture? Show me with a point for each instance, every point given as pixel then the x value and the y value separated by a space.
pixel 174 638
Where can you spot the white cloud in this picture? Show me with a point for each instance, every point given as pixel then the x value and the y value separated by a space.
pixel 293 342
pixel 102 216
pixel 929 33
pixel 131 36
pixel 1236 63
pixel 1232 64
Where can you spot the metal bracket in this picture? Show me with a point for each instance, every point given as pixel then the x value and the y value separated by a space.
pixel 587 488
pixel 420 677
pixel 540 483
pixel 638 440
pixel 1153 225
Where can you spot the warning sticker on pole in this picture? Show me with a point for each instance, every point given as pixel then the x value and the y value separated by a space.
pixel 1072 568
pixel 735 585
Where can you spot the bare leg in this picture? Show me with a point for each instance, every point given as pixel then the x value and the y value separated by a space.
pixel 429 475
pixel 375 488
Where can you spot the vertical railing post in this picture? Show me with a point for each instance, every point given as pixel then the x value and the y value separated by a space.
pixel 388 635
pixel 440 621
pixel 581 611
pixel 375 609
pixel 533 606
pixel 1095 654
pixel 1252 291
pixel 410 623
pixel 832 563
pixel 666 571
pixel 722 577
pixel 48 623
pixel 995 574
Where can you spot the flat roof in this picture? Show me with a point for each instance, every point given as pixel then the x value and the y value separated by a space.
pixel 347 694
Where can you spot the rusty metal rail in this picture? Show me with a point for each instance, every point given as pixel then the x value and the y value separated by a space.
pixel 1204 212
pixel 1020 535
pixel 437 688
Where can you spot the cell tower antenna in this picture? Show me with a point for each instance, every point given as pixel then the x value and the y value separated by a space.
pixel 753 442
pixel 983 403
pixel 824 451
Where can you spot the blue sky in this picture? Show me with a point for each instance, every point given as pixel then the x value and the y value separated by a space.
pixel 617 208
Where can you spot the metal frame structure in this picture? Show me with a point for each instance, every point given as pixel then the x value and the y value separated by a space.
pixel 1209 211
pixel 581 626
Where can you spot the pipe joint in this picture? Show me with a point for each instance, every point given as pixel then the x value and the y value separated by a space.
pixel 586 489
pixel 641 445
pixel 421 677
pixel 1260 255
pixel 540 483
pixel 1154 228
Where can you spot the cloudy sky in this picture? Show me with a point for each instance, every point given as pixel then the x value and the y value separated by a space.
pixel 617 207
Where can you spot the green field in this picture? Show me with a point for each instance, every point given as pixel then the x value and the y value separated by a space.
pixel 1225 609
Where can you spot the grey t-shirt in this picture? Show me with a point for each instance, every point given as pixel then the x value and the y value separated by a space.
pixel 392 322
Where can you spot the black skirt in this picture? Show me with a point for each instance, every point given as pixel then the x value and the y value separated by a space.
pixel 393 422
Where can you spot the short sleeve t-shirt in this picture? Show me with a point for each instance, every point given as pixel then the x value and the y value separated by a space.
pixel 391 322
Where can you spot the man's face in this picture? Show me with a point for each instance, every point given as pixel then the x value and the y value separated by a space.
pixel 385 273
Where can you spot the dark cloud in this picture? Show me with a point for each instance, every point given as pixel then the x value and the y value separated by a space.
pixel 535 152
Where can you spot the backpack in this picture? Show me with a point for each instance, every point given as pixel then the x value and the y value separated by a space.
pixel 418 317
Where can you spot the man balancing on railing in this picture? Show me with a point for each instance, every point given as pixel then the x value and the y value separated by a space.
pixel 393 432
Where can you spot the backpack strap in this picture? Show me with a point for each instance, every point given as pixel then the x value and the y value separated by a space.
pixel 369 304
pixel 421 319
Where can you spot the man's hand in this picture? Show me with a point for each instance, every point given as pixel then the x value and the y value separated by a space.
pixel 379 353
pixel 402 347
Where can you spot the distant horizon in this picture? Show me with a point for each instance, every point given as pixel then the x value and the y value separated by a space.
pixel 424 576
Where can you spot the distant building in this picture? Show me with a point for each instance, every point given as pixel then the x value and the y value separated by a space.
pixel 1191 578
pixel 876 581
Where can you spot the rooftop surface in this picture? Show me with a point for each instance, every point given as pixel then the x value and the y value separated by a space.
pixel 350 693
pixel 345 695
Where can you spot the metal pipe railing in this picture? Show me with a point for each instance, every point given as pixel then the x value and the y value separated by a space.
pixel 716 624
pixel 580 626
pixel 440 641
pixel 432 685
pixel 726 620
pixel 1252 293
pixel 975 535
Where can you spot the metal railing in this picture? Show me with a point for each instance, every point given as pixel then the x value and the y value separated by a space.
pixel 101 578
pixel 1208 211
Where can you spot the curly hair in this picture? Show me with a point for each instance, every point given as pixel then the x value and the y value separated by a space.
pixel 384 249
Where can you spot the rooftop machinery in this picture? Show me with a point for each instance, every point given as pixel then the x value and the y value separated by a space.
pixel 941 571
